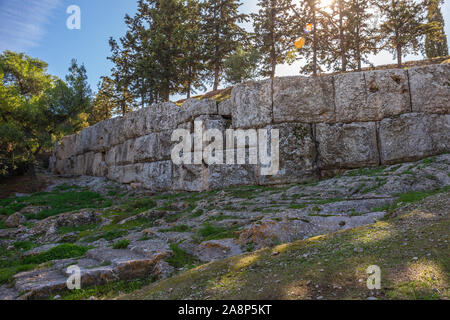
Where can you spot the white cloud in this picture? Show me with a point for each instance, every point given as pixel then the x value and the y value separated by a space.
pixel 22 23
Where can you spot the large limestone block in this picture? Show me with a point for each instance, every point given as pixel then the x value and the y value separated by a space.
pixel 226 176
pixel 125 174
pixel 225 108
pixel 350 97
pixel 162 116
pixel 193 108
pixel 387 93
pixel 347 145
pixel 190 178
pixel 99 167
pixel 430 88
pixel 252 104
pixel 66 147
pixel 303 99
pixel 371 96
pixel 156 176
pixel 135 123
pixel 116 126
pixel 153 147
pixel 121 154
pixel 102 135
pixel 413 136
pixel 297 154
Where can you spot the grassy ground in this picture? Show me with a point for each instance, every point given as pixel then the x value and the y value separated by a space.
pixel 411 248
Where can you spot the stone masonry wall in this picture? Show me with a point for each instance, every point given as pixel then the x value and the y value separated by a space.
pixel 327 124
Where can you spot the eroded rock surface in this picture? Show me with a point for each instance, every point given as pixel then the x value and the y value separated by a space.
pixel 145 235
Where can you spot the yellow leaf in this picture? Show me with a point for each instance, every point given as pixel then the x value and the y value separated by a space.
pixel 300 42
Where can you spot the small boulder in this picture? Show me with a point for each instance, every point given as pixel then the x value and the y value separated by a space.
pixel 15 220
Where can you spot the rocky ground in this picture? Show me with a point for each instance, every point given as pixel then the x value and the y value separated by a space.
pixel 123 239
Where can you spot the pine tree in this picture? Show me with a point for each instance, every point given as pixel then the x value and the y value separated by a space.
pixel 436 39
pixel 242 65
pixel 273 33
pixel 104 105
pixel 222 33
pixel 192 49
pixel 317 40
pixel 122 76
pixel 337 42
pixel 402 28
pixel 362 26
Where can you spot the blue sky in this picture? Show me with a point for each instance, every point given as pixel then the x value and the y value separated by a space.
pixel 38 28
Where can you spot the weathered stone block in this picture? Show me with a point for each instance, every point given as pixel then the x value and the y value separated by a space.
pixel 350 97
pixel 156 176
pixel 372 95
pixel 413 136
pixel 347 145
pixel 225 108
pixel 99 167
pixel 193 108
pixel 121 154
pixel 125 174
pixel 387 94
pixel 225 176
pixel 297 154
pixel 303 99
pixel 153 147
pixel 190 178
pixel 430 88
pixel 252 104
pixel 162 116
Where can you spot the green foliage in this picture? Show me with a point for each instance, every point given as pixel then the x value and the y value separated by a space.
pixel 36 109
pixel 121 244
pixel 241 66
pixel 56 201
pixel 211 232
pixel 64 251
pixel 274 33
pixel 436 39
pixel 180 258
pixel 222 34
pixel 402 27
pixel 107 291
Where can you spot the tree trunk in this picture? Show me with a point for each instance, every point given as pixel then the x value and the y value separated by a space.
pixel 314 40
pixel 342 38
pixel 216 77
pixel 399 56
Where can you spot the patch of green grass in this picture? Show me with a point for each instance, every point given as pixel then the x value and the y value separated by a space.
pixel 369 172
pixel 211 232
pixel 7 274
pixel 197 213
pixel 121 244
pixel 298 206
pixel 107 291
pixel 410 197
pixel 180 228
pixel 64 251
pixel 58 201
pixel 139 205
pixel 24 245
pixel 181 259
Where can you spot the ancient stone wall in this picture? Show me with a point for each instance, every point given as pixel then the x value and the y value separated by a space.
pixel 327 124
